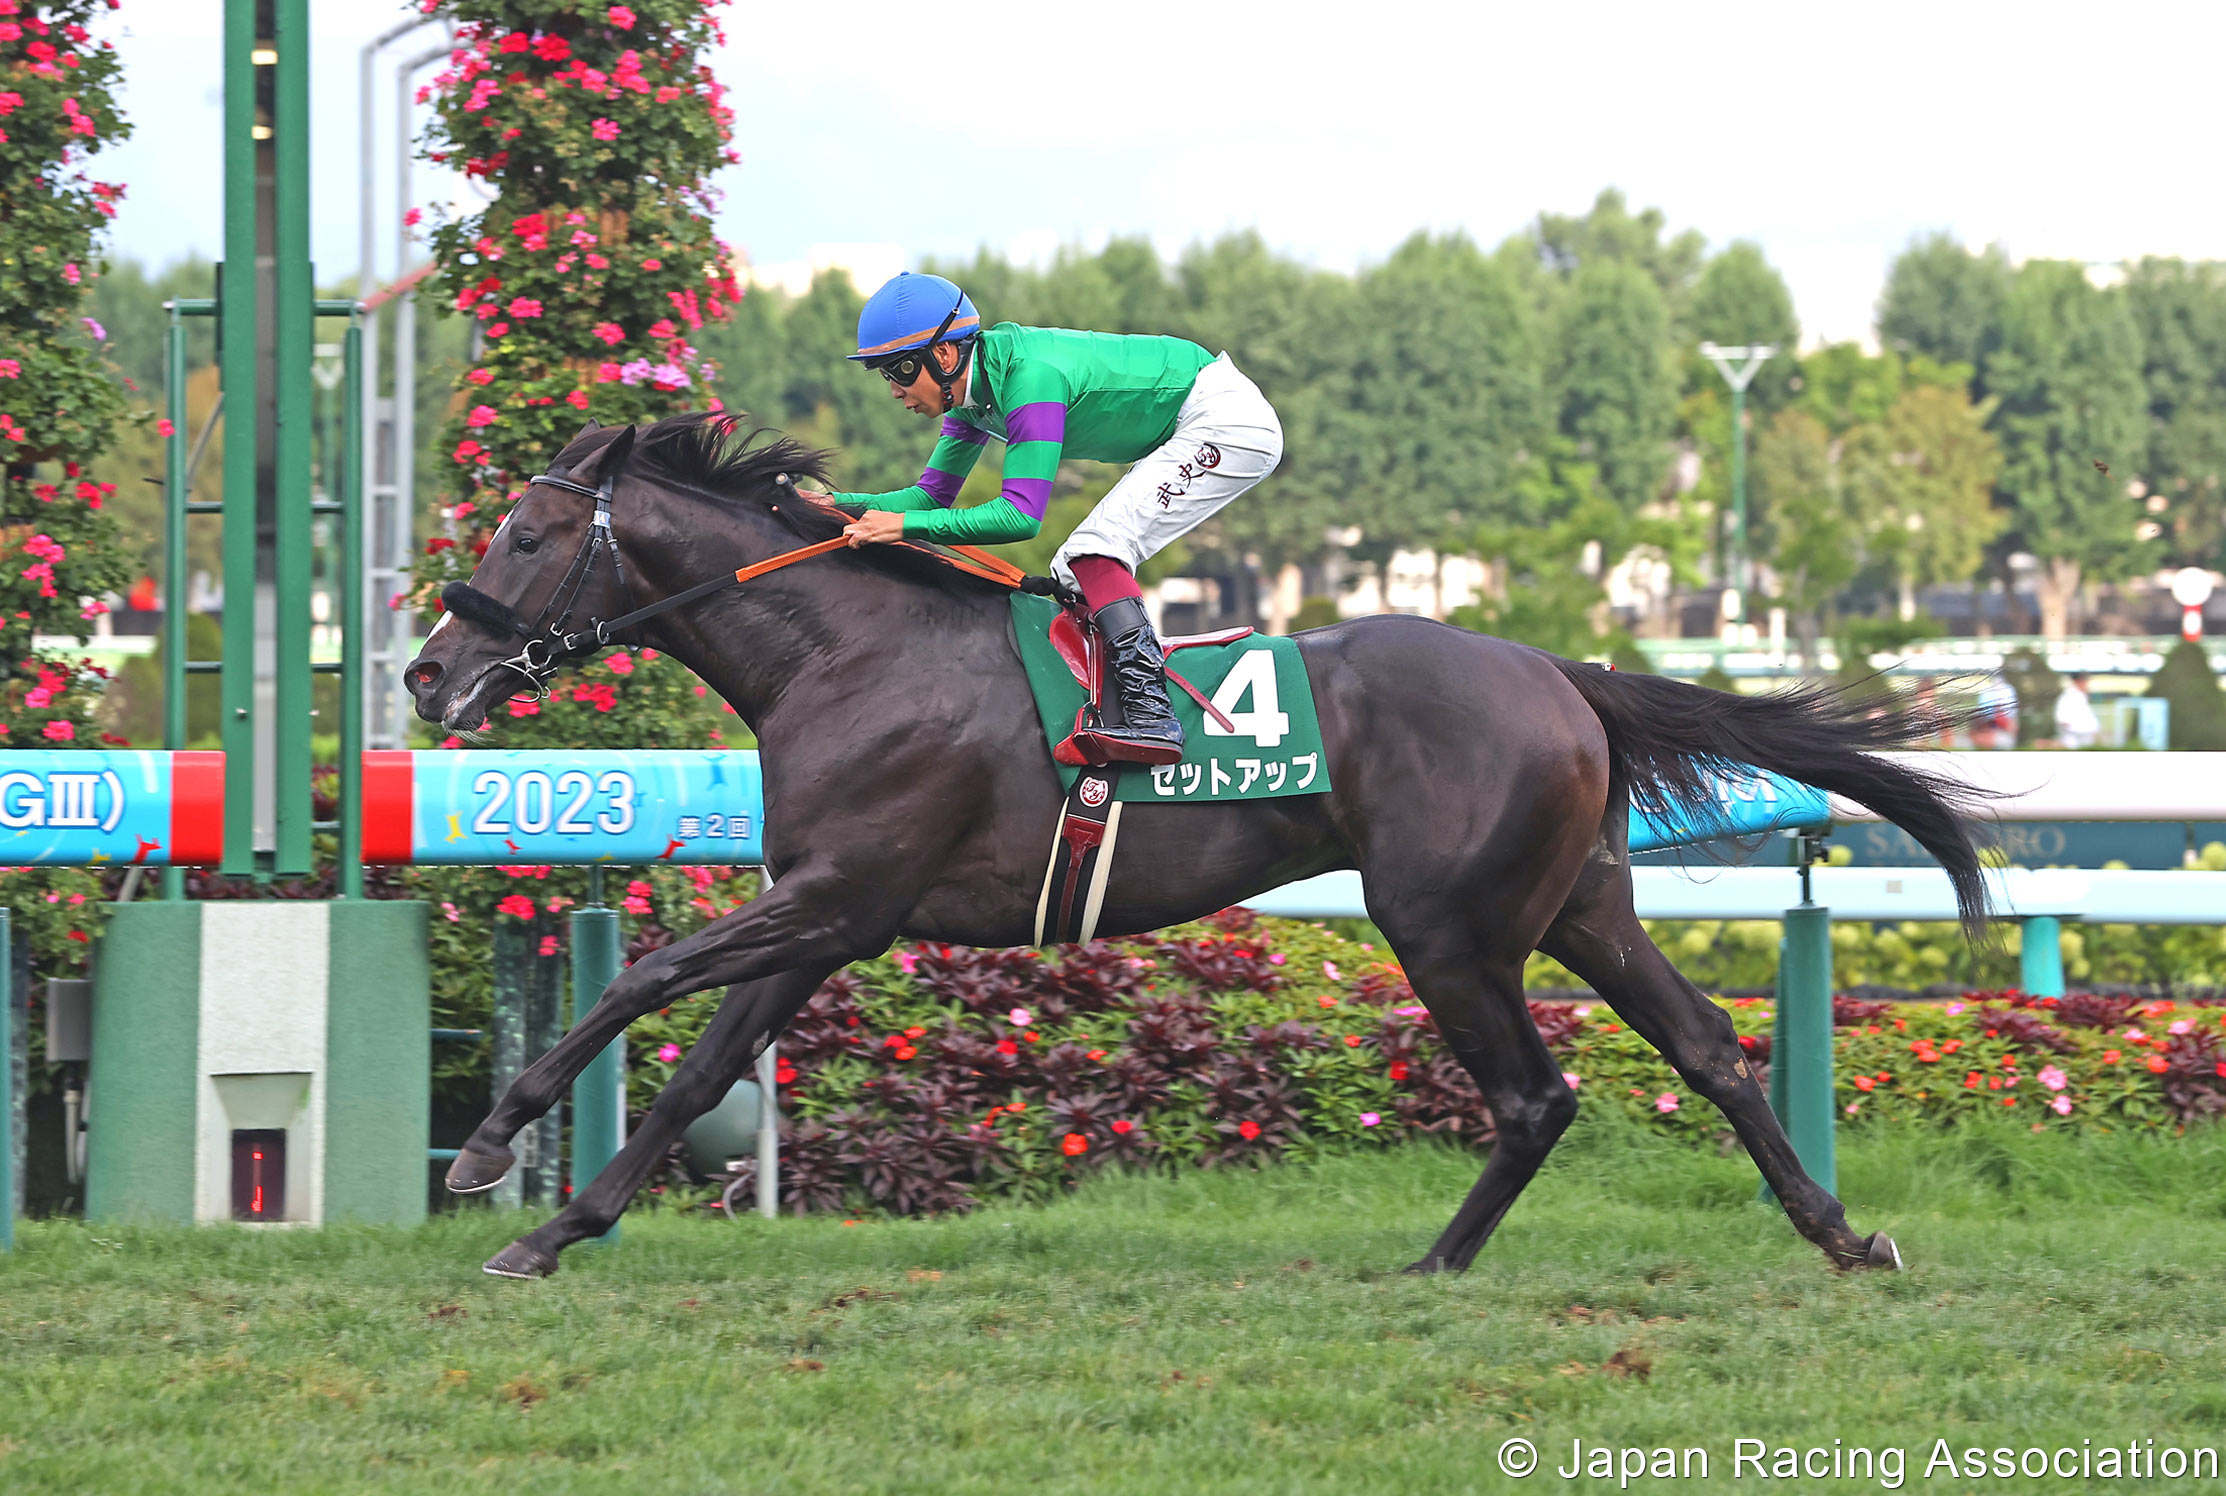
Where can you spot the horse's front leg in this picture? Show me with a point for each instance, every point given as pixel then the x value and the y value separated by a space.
pixel 751 1013
pixel 780 929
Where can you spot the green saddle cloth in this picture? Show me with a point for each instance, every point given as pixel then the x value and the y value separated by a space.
pixel 1259 683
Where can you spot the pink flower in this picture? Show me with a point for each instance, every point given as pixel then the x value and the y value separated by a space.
pixel 548 945
pixel 71 274
pixel 100 333
pixel 622 18
pixel 634 903
pixel 609 332
pixel 1020 1017
pixel 907 962
pixel 668 1053
pixel 603 129
pixel 607 373
pixel 37 698
pixel 526 708
pixel 10 369
pixel 2053 1078
pixel 1573 1079
pixel 482 415
pixel 622 664
pixel 1329 969
pixel 1411 1010
pixel 1952 1009
pixel 1666 1102
pixel 61 732
pixel 1369 1119
pixel 524 306
pixel 657 265
pixel 1277 959
pixel 410 219
pixel 2184 1026
pixel 2061 1106
pixel 454 916
pixel 164 427
pixel 481 376
pixel 517 906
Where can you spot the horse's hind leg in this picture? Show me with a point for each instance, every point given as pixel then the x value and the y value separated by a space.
pixel 1476 995
pixel 1598 936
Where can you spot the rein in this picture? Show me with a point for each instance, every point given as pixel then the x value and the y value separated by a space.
pixel 558 648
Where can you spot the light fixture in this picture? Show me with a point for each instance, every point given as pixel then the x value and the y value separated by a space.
pixel 264 57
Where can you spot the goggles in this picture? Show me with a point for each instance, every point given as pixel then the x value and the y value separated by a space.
pixel 902 368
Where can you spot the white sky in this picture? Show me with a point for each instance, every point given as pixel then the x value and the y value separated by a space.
pixel 1829 134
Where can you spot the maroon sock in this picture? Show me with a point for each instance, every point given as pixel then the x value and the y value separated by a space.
pixel 1104 581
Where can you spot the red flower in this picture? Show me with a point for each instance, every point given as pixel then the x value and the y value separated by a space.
pixel 1099 1054
pixel 784 1073
pixel 906 1051
pixel 516 41
pixel 1248 1129
pixel 552 49
pixel 517 906
pixel 1971 1081
pixel 1124 1126
pixel 1398 1069
pixel 2157 1064
pixel 480 376
pixel 1864 1083
pixel 1074 1143
pixel 163 427
pixel 1352 1041
pixel 1006 1046
pixel 2112 1056
pixel 438 543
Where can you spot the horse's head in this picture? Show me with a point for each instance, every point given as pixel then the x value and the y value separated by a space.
pixel 550 572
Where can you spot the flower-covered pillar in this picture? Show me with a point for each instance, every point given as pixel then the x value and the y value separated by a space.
pixel 597 127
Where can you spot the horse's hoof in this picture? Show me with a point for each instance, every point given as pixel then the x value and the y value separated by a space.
pixel 477 1169
pixel 518 1260
pixel 1880 1252
pixel 1430 1264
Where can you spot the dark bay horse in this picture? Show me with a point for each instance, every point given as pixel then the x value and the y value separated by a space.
pixel 1482 788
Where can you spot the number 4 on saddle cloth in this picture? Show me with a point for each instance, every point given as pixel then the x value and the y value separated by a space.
pixel 1250 732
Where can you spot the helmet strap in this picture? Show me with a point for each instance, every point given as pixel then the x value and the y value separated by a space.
pixel 945 381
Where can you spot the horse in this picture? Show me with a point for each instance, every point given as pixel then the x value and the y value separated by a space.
pixel 1482 788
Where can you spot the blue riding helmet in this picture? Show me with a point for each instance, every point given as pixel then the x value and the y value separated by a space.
pixel 914 311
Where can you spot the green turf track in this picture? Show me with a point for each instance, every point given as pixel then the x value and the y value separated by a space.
pixel 1228 1332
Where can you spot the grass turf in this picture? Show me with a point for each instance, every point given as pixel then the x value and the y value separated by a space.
pixel 1224 1332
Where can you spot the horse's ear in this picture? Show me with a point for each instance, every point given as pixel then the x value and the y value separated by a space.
pixel 607 460
pixel 592 425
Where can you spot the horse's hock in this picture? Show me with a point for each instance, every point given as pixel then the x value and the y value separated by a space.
pixel 262 1061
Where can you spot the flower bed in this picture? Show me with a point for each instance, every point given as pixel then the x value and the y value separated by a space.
pixel 941 1076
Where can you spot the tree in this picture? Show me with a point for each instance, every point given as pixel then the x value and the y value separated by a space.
pixel 60 397
pixel 2073 431
pixel 2181 311
pixel 1612 233
pixel 2198 705
pixel 1801 521
pixel 1432 397
pixel 1945 302
pixel 1922 482
pixel 1740 300
pixel 595 262
pixel 1608 381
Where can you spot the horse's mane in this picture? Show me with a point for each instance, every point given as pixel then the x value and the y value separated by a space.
pixel 715 454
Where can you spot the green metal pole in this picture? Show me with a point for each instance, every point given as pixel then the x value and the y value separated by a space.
pixel 351 612
pixel 1738 569
pixel 513 974
pixel 1804 1052
pixel 243 418
pixel 599 1095
pixel 174 496
pixel 2040 956
pixel 294 326
pixel 7 1094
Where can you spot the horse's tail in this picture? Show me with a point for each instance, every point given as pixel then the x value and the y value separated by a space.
pixel 1668 738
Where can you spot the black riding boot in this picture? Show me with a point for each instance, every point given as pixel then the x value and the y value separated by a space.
pixel 1148 732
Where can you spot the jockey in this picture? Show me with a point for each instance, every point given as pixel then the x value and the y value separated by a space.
pixel 1197 431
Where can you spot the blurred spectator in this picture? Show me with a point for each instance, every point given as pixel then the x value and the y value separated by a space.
pixel 2077 726
pixel 1995 726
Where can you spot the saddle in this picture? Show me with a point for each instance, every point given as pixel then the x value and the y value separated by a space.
pixel 1084 653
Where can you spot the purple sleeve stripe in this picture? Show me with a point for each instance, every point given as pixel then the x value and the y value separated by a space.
pixel 1031 496
pixel 941 486
pixel 1044 421
pixel 958 430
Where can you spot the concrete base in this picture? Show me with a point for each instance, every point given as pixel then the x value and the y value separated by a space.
pixel 307 1018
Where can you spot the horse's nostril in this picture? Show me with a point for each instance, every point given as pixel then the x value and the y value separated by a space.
pixel 425 672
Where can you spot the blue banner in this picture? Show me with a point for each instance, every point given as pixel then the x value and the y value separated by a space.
pixel 1747 804
pixel 631 807
pixel 83 808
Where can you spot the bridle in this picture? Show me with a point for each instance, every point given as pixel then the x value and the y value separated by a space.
pixel 550 645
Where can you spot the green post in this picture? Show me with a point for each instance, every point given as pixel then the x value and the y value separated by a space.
pixel 7 1096
pixel 174 495
pixel 294 342
pixel 237 355
pixel 1737 570
pixel 352 622
pixel 2040 956
pixel 1801 1057
pixel 513 974
pixel 599 1095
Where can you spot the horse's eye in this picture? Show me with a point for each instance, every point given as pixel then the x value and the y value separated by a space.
pixel 528 544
